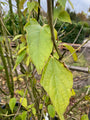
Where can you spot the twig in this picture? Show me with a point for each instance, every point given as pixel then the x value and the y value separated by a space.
pixel 5 27
pixel 78 35
pixel 77 103
pixel 4 115
pixel 76 50
pixel 55 22
pixel 19 106
pixel 61 27
pixel 3 92
pixel 67 33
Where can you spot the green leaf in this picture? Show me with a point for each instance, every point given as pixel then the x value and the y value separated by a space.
pixel 88 86
pixel 39 44
pixel 1 39
pixel 36 7
pixel 1 67
pixel 84 117
pixel 72 50
pixel 12 103
pixel 51 111
pixel 87 98
pixel 30 6
pixel 56 55
pixel 57 81
pixel 24 115
pixel 20 92
pixel 47 28
pixel 73 92
pixel 19 59
pixel 28 61
pixel 19 117
pixel 33 110
pixel 62 15
pixel 16 37
pixel 21 50
pixel 30 106
pixel 23 102
pixel 62 3
pixel 40 106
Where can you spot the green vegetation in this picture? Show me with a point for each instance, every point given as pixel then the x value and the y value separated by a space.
pixel 36 81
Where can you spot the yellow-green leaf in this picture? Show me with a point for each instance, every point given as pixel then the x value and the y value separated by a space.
pixel 87 98
pixel 47 28
pixel 12 103
pixel 72 50
pixel 56 55
pixel 51 111
pixel 16 37
pixel 39 44
pixel 24 115
pixel 33 110
pixel 30 6
pixel 61 14
pixel 84 117
pixel 23 102
pixel 22 49
pixel 28 61
pixel 20 92
pixel 57 81
pixel 23 38
pixel 62 3
pixel 1 67
pixel 30 106
pixel 73 92
pixel 40 106
pixel 20 57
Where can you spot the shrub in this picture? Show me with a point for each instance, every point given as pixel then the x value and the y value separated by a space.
pixel 69 37
pixel 87 32
pixel 8 23
pixel 85 24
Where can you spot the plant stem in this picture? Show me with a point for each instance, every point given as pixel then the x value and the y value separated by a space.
pixel 38 10
pixel 12 16
pixel 76 103
pixel 19 14
pixel 3 92
pixel 50 20
pixel 6 71
pixel 9 64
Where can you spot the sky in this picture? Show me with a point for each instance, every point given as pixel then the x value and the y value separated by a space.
pixel 79 5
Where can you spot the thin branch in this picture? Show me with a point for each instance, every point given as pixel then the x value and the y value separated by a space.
pixel 20 105
pixel 61 27
pixel 78 35
pixel 3 92
pixel 67 33
pixel 76 103
pixel 6 71
pixel 50 20
pixel 5 27
pixel 76 50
